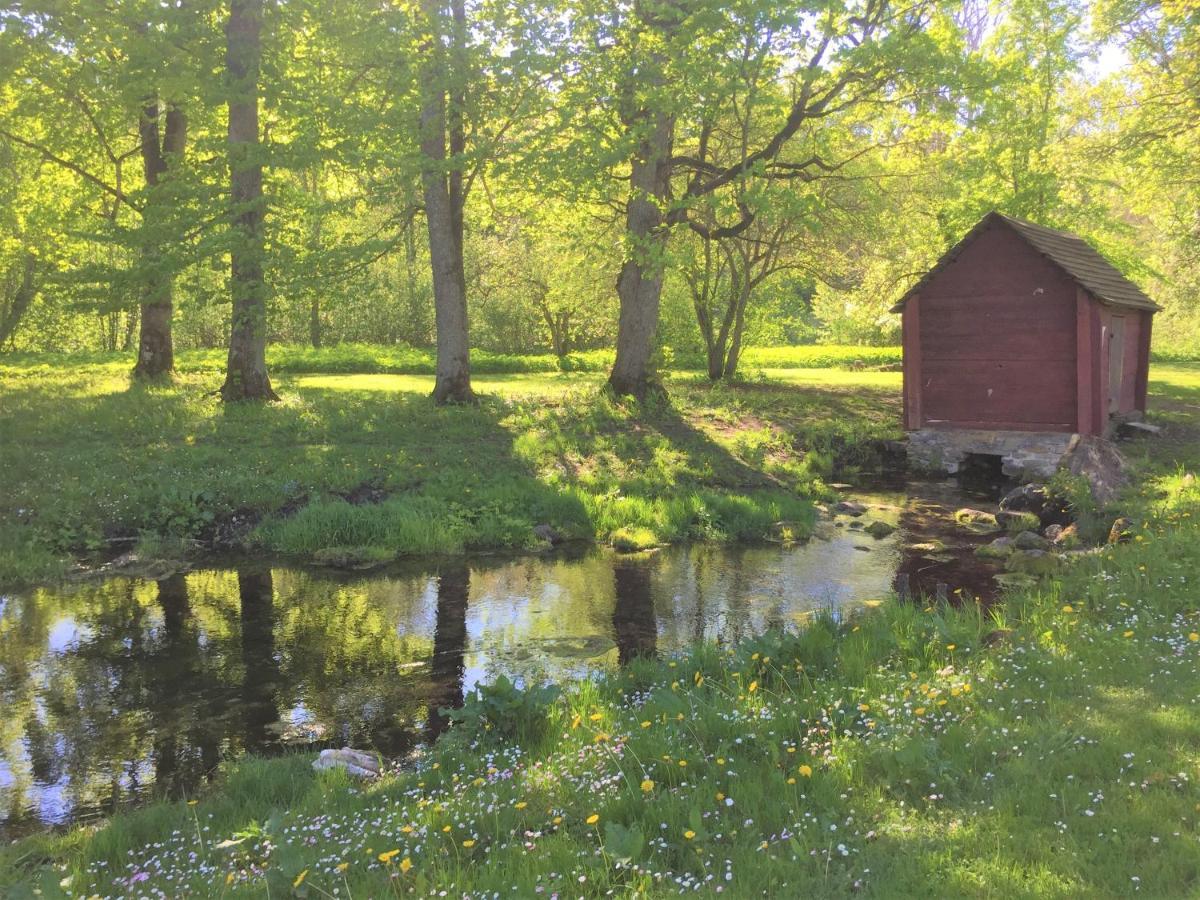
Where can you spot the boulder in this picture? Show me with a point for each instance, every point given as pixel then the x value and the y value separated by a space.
pixel 930 546
pixel 1033 562
pixel 1026 498
pixel 1015 521
pixel 548 533
pixel 1101 464
pixel 353 762
pixel 849 508
pixel 1066 538
pixel 1051 532
pixel 1030 540
pixel 1121 531
pixel 1000 548
pixel 977 520
pixel 1037 499
pixel 878 529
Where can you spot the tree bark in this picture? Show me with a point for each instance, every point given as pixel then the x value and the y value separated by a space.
pixel 246 369
pixel 21 299
pixel 639 284
pixel 441 120
pixel 156 352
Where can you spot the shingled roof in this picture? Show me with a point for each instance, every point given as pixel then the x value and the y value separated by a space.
pixel 1069 252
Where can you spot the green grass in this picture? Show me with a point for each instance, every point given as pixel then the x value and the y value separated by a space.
pixel 1044 748
pixel 906 752
pixel 365 462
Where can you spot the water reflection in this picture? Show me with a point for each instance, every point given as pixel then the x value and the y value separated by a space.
pixel 115 690
pixel 448 665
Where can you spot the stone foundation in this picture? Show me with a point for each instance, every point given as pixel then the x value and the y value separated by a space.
pixel 1024 455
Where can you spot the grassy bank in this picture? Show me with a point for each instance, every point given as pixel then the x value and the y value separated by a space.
pixel 363 467
pixel 1046 748
pixel 373 359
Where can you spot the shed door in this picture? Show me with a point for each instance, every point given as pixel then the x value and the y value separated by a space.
pixel 1116 362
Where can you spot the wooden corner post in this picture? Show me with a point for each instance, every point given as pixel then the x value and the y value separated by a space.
pixel 911 332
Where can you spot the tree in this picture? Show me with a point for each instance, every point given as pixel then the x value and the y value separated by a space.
pixel 663 61
pixel 246 375
pixel 443 142
pixel 105 109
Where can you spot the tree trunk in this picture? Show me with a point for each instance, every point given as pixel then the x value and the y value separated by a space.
pixel 314 322
pixel 444 200
pixel 739 326
pixel 246 369
pixel 156 352
pixel 21 299
pixel 639 285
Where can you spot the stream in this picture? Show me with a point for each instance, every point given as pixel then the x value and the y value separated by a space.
pixel 120 689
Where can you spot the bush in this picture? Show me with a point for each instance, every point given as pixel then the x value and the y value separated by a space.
pixel 504 713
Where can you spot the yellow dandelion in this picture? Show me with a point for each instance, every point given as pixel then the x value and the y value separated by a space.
pixel 592 819
pixel 405 865
pixel 389 856
pixel 469 843
pixel 557 820
pixel 646 724
pixel 1128 634
pixel 805 770
pixel 1068 608
pixel 520 804
pixel 951 646
pixel 300 879
pixel 753 687
pixel 1193 637
pixel 595 717
pixel 647 786
pixel 445 829
pixel 920 711
pixel 864 707
pixel 683 763
pixel 576 721
pixel 689 834
pixel 341 867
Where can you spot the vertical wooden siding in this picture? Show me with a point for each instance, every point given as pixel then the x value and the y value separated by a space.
pixel 997 340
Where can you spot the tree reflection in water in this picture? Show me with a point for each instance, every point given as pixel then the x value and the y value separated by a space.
pixel 635 627
pixel 448 666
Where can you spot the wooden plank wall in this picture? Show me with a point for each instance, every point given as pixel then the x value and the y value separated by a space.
pixel 998 339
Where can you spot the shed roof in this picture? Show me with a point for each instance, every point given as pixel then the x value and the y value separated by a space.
pixel 1071 253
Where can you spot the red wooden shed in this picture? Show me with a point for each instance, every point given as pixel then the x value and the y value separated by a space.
pixel 1024 328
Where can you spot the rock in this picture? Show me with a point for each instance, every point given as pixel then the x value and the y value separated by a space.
pixel 1014 580
pixel 933 546
pixel 354 762
pixel 1000 548
pixel 1128 430
pixel 1026 498
pixel 1101 464
pixel 1015 521
pixel 863 547
pixel 999 635
pixel 859 525
pixel 976 520
pixel 1051 532
pixel 1121 531
pixel 786 532
pixel 849 508
pixel 879 529
pixel 1066 538
pixel 1029 540
pixel 547 533
pixel 1033 562
pixel 841 486
pixel 351 557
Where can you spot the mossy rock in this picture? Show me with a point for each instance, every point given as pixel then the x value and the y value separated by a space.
pixel 1029 540
pixel 933 546
pixel 1034 562
pixel 1017 522
pixel 879 529
pixel 977 521
pixel 631 539
pixel 352 557
pixel 1000 548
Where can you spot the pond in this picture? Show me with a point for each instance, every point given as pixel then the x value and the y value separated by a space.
pixel 119 689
